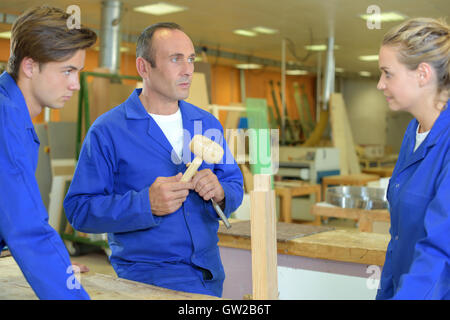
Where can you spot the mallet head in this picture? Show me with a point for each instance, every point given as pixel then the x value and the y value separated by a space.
pixel 206 149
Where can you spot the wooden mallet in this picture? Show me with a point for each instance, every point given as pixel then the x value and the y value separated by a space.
pixel 210 151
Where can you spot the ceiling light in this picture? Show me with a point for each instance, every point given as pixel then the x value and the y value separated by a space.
pixel 319 47
pixel 265 30
pixel 159 9
pixel 246 33
pixel 384 16
pixel 248 66
pixel 5 35
pixel 339 70
pixel 296 72
pixel 369 58
pixel 365 74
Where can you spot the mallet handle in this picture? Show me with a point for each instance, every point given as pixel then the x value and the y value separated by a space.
pixel 192 169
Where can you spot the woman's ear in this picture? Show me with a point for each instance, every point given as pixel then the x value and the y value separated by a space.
pixel 425 73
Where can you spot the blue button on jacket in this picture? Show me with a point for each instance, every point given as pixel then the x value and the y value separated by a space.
pixel 123 153
pixel 417 264
pixel 34 244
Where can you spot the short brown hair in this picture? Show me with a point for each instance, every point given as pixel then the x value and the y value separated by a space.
pixel 41 33
pixel 144 44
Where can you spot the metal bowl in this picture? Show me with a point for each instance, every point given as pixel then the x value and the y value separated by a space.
pixel 357 197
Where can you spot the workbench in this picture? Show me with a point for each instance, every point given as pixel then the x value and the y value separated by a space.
pixel 383 172
pixel 99 287
pixel 330 264
pixel 366 218
pixel 287 190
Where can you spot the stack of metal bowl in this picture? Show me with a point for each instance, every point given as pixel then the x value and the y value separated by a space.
pixel 366 198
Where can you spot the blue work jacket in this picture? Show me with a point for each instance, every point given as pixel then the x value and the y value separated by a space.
pixel 34 244
pixel 417 264
pixel 123 153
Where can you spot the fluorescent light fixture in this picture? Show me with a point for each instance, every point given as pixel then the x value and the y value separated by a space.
pixel 248 66
pixel 365 74
pixel 296 72
pixel 159 9
pixel 5 35
pixel 385 16
pixel 369 58
pixel 264 30
pixel 245 33
pixel 319 47
pixel 339 70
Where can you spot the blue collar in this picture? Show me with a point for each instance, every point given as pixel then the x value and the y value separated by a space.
pixel 440 126
pixel 9 88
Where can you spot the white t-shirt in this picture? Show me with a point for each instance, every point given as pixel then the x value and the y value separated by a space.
pixel 420 137
pixel 172 126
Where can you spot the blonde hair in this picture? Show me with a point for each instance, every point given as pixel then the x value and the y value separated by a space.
pixel 423 40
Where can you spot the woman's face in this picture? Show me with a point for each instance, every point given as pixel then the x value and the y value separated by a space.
pixel 399 84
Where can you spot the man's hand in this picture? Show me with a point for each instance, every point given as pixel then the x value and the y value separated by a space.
pixel 82 267
pixel 167 194
pixel 207 186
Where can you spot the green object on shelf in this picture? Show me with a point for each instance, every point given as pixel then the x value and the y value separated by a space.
pixel 260 136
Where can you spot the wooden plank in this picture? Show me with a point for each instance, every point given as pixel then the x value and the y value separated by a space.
pixel 99 287
pixel 342 136
pixel 337 245
pixel 285 231
pixel 264 243
pixel 198 92
pixel 248 177
pixel 342 245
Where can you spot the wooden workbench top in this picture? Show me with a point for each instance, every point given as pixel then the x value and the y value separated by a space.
pixel 338 245
pixel 99 287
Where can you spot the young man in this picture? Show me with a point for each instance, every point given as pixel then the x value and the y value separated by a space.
pixel 42 71
pixel 161 231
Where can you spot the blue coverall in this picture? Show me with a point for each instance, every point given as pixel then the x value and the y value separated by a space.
pixel 417 264
pixel 34 244
pixel 123 153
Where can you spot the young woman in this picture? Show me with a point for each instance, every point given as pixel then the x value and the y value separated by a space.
pixel 415 77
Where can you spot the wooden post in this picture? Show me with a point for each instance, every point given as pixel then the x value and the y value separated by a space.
pixel 263 239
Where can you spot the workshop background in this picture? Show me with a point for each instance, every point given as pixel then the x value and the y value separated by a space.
pixel 312 66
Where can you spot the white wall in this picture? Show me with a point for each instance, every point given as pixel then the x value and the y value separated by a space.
pixel 366 109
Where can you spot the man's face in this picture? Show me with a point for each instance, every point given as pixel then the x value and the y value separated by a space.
pixel 174 57
pixel 53 83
